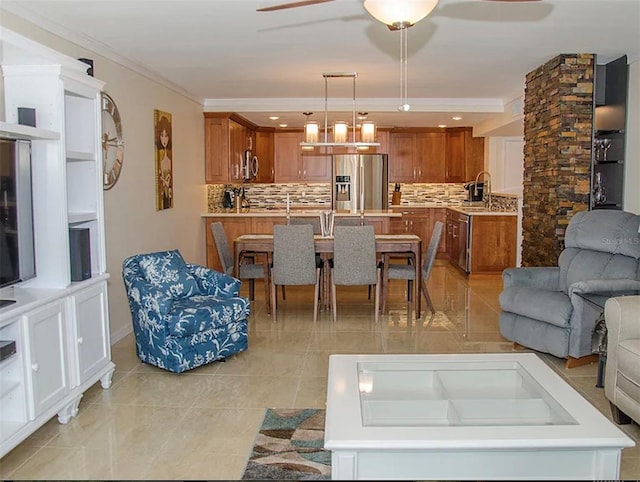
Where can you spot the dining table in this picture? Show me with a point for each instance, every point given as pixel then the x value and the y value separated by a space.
pixel 386 244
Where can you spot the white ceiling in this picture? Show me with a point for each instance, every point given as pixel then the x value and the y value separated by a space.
pixel 468 58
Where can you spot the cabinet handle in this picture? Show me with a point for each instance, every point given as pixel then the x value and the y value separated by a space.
pixel 298 173
pixel 304 174
pixel 35 367
pixel 80 341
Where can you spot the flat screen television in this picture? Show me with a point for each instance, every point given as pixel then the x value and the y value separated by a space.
pixel 17 248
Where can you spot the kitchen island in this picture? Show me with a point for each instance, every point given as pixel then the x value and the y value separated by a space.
pixel 493 236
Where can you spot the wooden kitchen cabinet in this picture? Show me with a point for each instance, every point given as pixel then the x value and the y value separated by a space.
pixel 292 164
pixel 419 221
pixel 493 244
pixel 264 150
pixel 226 137
pixel 430 156
pixel 417 156
pixel 464 155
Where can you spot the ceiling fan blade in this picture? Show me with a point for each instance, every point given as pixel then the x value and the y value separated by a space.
pixel 282 6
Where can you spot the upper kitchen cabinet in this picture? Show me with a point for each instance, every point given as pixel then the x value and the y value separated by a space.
pixel 264 151
pixel 417 156
pixel 464 155
pixel 292 164
pixel 226 138
pixel 430 150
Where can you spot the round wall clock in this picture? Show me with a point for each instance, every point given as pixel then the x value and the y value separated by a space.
pixel 112 142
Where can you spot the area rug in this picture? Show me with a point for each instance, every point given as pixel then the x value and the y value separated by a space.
pixel 289 446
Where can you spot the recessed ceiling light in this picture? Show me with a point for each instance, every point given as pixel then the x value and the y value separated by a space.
pixel 457 117
pixel 274 117
pixel 283 125
pixel 442 125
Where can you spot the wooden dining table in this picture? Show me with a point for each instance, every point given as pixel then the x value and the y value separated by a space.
pixel 386 244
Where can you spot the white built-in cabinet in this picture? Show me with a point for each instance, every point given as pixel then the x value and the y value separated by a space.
pixel 61 328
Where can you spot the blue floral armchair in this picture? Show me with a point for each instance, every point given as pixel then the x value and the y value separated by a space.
pixel 184 315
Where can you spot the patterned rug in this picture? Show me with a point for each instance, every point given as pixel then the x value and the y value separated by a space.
pixel 289 446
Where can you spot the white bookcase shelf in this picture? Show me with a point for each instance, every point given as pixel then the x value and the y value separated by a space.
pixel 61 328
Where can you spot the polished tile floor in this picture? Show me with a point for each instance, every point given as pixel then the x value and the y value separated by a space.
pixel 153 424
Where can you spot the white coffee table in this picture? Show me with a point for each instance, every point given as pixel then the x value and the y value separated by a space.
pixel 488 416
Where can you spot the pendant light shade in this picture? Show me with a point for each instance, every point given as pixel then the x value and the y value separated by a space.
pixel 368 131
pixel 399 13
pixel 340 129
pixel 311 132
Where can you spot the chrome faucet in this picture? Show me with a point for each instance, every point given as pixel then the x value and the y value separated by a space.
pixel 487 187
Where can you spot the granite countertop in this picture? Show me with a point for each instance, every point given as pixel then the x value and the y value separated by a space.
pixel 472 209
pixel 266 213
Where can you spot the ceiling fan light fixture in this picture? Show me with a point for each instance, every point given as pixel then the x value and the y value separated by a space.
pixel 399 13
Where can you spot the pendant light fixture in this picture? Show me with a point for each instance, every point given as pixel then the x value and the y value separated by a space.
pixel 340 128
pixel 400 15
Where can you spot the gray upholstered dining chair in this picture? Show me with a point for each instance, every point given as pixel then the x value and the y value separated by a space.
pixel 354 261
pixel 312 220
pixel 407 271
pixel 248 269
pixel 294 261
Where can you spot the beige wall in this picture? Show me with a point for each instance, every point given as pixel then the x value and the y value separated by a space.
pixel 132 223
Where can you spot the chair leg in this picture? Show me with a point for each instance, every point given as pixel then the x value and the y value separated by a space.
pixel 316 295
pixel 252 289
pixel 409 290
pixel 267 295
pixel 284 296
pixel 377 301
pixel 385 283
pixel 425 292
pixel 334 308
pixel 369 293
pixel 273 300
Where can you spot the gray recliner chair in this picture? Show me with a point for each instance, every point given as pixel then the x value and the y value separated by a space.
pixel 554 309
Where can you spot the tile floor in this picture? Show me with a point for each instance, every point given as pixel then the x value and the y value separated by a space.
pixel 153 424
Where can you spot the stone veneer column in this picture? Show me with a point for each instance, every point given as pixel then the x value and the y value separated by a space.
pixel 558 125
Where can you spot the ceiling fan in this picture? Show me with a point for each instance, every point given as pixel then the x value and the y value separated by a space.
pixel 304 3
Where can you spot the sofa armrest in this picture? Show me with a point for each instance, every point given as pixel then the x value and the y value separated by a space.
pixel 622 316
pixel 543 277
pixel 606 287
pixel 215 283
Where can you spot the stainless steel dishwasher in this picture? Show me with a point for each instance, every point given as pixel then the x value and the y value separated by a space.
pixel 464 255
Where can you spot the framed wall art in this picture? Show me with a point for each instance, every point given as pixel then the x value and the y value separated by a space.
pixel 164 162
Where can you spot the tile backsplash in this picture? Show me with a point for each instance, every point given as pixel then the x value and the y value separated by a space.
pixel 318 195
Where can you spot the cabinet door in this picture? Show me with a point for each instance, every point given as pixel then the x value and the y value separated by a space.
pixel 401 153
pixel 90 332
pixel 455 156
pixel 383 138
pixel 264 152
pixel 216 148
pixel 316 167
pixel 47 359
pixel 238 144
pixel 430 156
pixel 474 156
pixel 287 160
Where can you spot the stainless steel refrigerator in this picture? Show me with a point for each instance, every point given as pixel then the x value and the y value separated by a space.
pixel 360 182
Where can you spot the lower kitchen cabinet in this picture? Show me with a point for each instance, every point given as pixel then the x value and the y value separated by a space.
pixel 62 349
pixel 493 244
pixel 481 244
pixel 419 221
